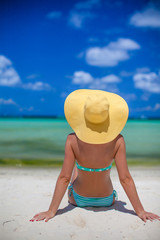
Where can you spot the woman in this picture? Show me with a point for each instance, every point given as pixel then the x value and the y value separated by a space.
pixel 97 118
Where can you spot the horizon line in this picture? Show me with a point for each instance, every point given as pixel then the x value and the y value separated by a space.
pixel 56 116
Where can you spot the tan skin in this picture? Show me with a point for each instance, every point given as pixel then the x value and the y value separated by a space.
pixel 94 184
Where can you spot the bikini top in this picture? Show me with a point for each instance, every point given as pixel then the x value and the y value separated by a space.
pixel 93 169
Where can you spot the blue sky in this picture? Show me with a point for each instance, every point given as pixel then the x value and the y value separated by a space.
pixel 51 48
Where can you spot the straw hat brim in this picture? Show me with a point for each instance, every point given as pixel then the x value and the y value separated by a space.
pixel 95 133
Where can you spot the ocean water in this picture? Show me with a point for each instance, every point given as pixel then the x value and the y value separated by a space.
pixel 26 138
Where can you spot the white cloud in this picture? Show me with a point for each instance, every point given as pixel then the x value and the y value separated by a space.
pixel 81 77
pixel 157 106
pixel 149 17
pixel 143 70
pixel 93 39
pixel 13 103
pixel 87 4
pixel 149 108
pixel 7 102
pixel 98 84
pixel 80 55
pixel 124 44
pixel 138 70
pixel 10 78
pixel 104 57
pixel 110 78
pixel 77 19
pixel 54 14
pixel 30 108
pixel 81 13
pixel 63 94
pixel 4 62
pixel 129 96
pixel 32 76
pixel 125 73
pixel 112 54
pixel 37 86
pixel 146 96
pixel 107 82
pixel 8 75
pixel 147 81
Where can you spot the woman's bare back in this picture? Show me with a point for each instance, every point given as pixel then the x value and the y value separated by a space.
pixel 93 184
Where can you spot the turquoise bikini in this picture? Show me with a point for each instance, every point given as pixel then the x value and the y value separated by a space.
pixel 82 201
pixel 93 169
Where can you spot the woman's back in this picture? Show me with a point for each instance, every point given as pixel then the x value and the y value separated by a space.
pixel 93 156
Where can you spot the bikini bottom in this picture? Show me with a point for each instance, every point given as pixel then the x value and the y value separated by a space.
pixel 92 201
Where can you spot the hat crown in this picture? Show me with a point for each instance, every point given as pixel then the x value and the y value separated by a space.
pixel 96 109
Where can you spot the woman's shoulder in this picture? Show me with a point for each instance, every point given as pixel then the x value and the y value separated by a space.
pixel 119 137
pixel 71 137
pixel 119 140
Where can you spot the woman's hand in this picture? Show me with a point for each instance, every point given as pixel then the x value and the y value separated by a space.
pixel 43 215
pixel 148 216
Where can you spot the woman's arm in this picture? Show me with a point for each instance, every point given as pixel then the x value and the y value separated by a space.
pixel 127 182
pixel 61 184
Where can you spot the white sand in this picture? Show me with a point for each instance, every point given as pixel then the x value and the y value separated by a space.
pixel 25 192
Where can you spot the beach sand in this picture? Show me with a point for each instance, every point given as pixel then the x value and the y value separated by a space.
pixel 27 191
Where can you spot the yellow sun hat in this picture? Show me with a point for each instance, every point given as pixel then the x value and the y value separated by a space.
pixel 96 116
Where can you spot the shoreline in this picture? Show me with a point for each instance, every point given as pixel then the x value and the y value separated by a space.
pixel 58 162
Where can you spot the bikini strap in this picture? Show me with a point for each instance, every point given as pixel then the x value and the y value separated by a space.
pixel 70 187
pixel 115 194
pixel 93 169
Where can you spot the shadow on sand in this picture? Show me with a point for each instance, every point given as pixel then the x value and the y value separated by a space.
pixel 118 206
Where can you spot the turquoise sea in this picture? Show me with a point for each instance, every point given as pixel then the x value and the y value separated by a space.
pixel 40 140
